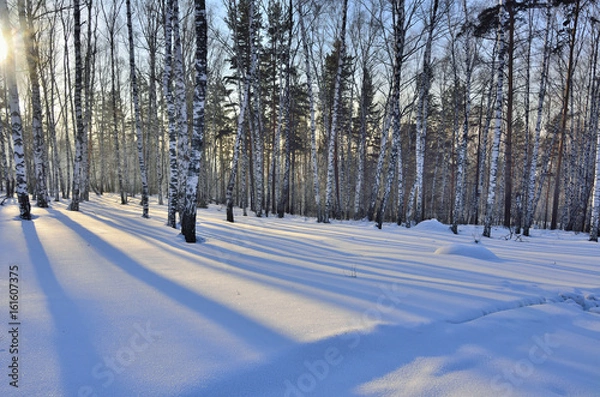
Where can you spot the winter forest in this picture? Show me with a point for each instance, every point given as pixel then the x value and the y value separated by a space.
pixel 390 110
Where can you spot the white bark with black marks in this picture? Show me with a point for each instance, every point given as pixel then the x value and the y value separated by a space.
pixel 15 117
pixel 188 218
pixel 313 124
pixel 530 199
pixel 334 121
pixel 78 166
pixel 493 178
pixel 137 114
pixel 170 105
pixel 39 145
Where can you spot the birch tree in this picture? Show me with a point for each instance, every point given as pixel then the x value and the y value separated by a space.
pixel 334 122
pixel 79 165
pixel 573 22
pixel 285 185
pixel 493 175
pixel 313 126
pixel 32 57
pixel 170 104
pixel 415 201
pixel 180 108
pixel 462 148
pixel 15 116
pixel 595 221
pixel 257 130
pixel 244 100
pixel 530 199
pixel 137 114
pixel 110 17
pixel 188 218
pixel 396 149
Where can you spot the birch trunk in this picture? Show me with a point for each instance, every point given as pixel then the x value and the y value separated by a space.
pixel 385 130
pixel 180 108
pixel 334 122
pixel 362 141
pixel 285 187
pixel 529 205
pixel 395 155
pixel 245 96
pixel 564 115
pixel 15 117
pixel 595 221
pixel 170 104
pixel 492 185
pixel 257 131
pixel 137 114
pixel 313 125
pixel 464 137
pixel 78 165
pixel 39 146
pixel 188 219
pixel 415 200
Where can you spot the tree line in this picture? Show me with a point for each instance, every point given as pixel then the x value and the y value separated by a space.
pixel 389 110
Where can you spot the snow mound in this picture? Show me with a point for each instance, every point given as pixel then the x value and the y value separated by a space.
pixel 432 225
pixel 470 250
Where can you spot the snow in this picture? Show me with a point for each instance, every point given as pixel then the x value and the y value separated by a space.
pixel 111 304
pixel 475 251
pixel 432 225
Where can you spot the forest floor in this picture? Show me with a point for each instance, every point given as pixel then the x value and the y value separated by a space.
pixel 110 304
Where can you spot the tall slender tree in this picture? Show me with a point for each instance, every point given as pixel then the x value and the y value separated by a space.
pixel 137 113
pixel 574 20
pixel 331 153
pixel 529 202
pixel 179 95
pixel 493 175
pixel 170 104
pixel 462 148
pixel 415 201
pixel 396 149
pixel 285 185
pixel 188 219
pixel 79 165
pixel 244 100
pixel 15 116
pixel 313 127
pixel 39 145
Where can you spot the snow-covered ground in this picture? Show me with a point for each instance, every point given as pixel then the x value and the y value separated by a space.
pixel 110 304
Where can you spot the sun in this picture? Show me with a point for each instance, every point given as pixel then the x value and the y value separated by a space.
pixel 3 48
